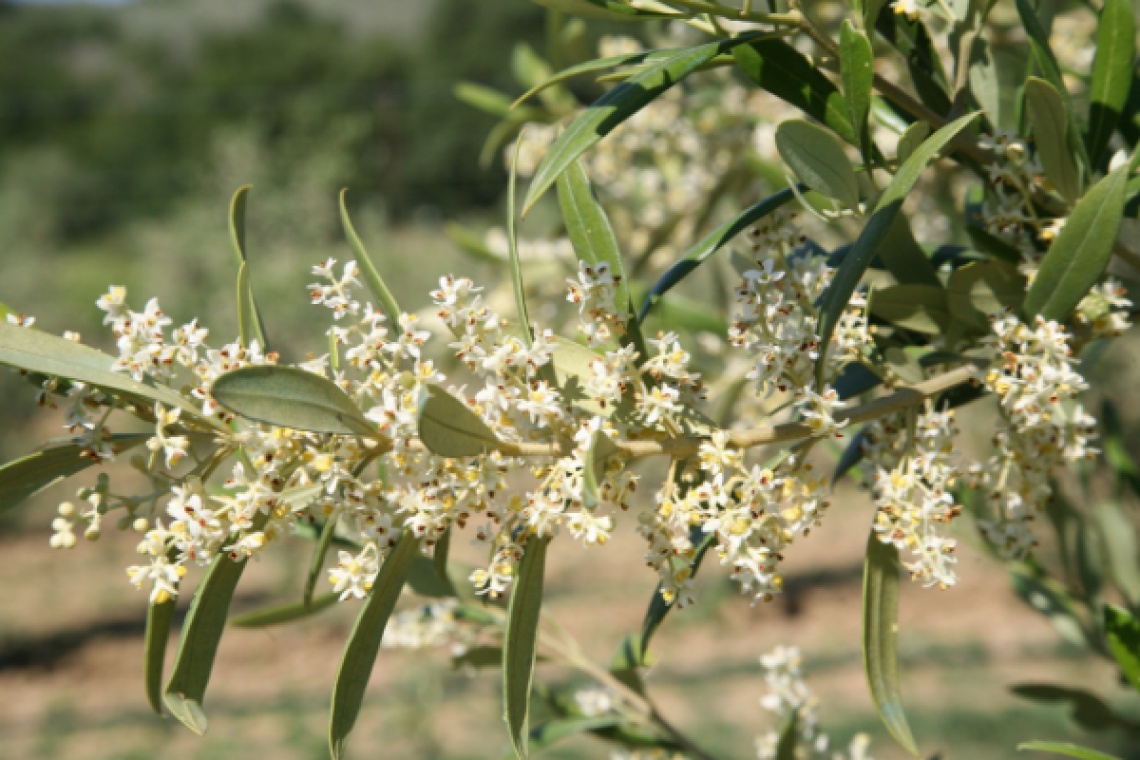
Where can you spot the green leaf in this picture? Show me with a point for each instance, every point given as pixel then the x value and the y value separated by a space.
pixel 986 287
pixel 851 271
pixel 1052 600
pixel 290 397
pixel 27 476
pixel 904 257
pixel 1119 539
pixel 249 318
pixel 617 105
pixel 364 641
pixel 425 580
pixel 478 657
pixel 385 300
pixel 783 71
pixel 284 613
pixel 913 41
pixel 1111 74
pixel 816 158
pixel 201 633
pixel 520 642
pixel 1122 631
pixel 440 555
pixel 789 737
pixel 713 242
pixel 659 607
pixel 609 10
pixel 1088 710
pixel 1043 56
pixel 880 637
pixel 317 561
pixel 921 308
pixel 448 427
pixel 1059 748
pixel 513 250
pixel 993 245
pixel 159 618
pixel 913 137
pixel 856 60
pixel 483 98
pixel 556 729
pixel 590 496
pixel 1047 114
pixel 37 351
pixel 1078 257
pixel 598 64
pixel 572 371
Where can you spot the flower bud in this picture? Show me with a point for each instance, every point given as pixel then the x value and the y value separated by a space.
pixel 67 509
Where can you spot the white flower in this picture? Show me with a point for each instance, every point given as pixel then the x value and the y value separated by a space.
pixel 353 576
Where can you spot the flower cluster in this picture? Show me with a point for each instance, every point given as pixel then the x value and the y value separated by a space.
pixel 788 694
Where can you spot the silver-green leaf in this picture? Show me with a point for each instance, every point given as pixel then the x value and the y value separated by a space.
pixel 1050 127
pixel 284 613
pixel 386 301
pixel 448 428
pixel 290 397
pixel 520 643
pixel 816 158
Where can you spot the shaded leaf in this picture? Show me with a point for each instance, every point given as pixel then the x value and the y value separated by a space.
pixel 317 561
pixel 290 397
pixel 659 606
pixel 364 641
pixel 1122 631
pixel 913 40
pixel 904 257
pixel 249 318
pixel 520 642
pixel 1111 74
pixel 440 556
pixel 818 161
pixel 285 613
pixel 1088 710
pixel 880 637
pixel 555 730
pixel 914 136
pixel 425 580
pixel 789 737
pixel 1047 114
pixel 1079 255
pixel 27 476
pixel 993 245
pixel 617 105
pixel 385 300
pixel 1050 598
pixel 713 242
pixel 1119 540
pixel 856 61
pixel 604 9
pixel 921 308
pixel 783 71
pixel 851 271
pixel 159 618
pixel 977 290
pixel 593 66
pixel 448 428
pixel 513 250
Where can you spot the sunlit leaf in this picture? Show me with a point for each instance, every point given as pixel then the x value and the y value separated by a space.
pixel 855 264
pixel 284 613
pixel 856 61
pixel 880 637
pixel 589 228
pixel 290 397
pixel 317 560
pixel 364 641
pixel 159 618
pixel 448 428
pixel 1122 631
pixel 27 476
pixel 816 158
pixel 385 300
pixel 1078 257
pixel 520 642
pixel 249 318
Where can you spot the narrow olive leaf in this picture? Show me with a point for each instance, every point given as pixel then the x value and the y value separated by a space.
pixel 385 300
pixel 1047 114
pixel 290 397
pixel 913 137
pixel 617 105
pixel 713 242
pixel 1111 75
pixel 440 556
pixel 1047 62
pixel 904 257
pixel 789 737
pixel 364 641
pixel 1080 254
pixel 851 271
pixel 159 618
pixel 1060 748
pixel 37 351
pixel 249 318
pixel 1086 709
pixel 596 65
pixel 513 248
pixel 1119 539
pixel 609 10
pixel 993 245
pixel 27 476
pixel 425 580
pixel 448 428
pixel 912 39
pixel 977 290
pixel 520 643
pixel 317 561
pixel 556 729
pixel 816 158
pixel 880 637
pixel 921 308
pixel 483 98
pixel 284 613
pixel 659 606
pixel 783 71
pixel 856 64
pixel 1122 631
pixel 201 633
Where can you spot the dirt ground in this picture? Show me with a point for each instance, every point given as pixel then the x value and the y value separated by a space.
pixel 71 659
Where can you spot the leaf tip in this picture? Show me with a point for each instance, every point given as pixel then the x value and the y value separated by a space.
pixel 188 712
